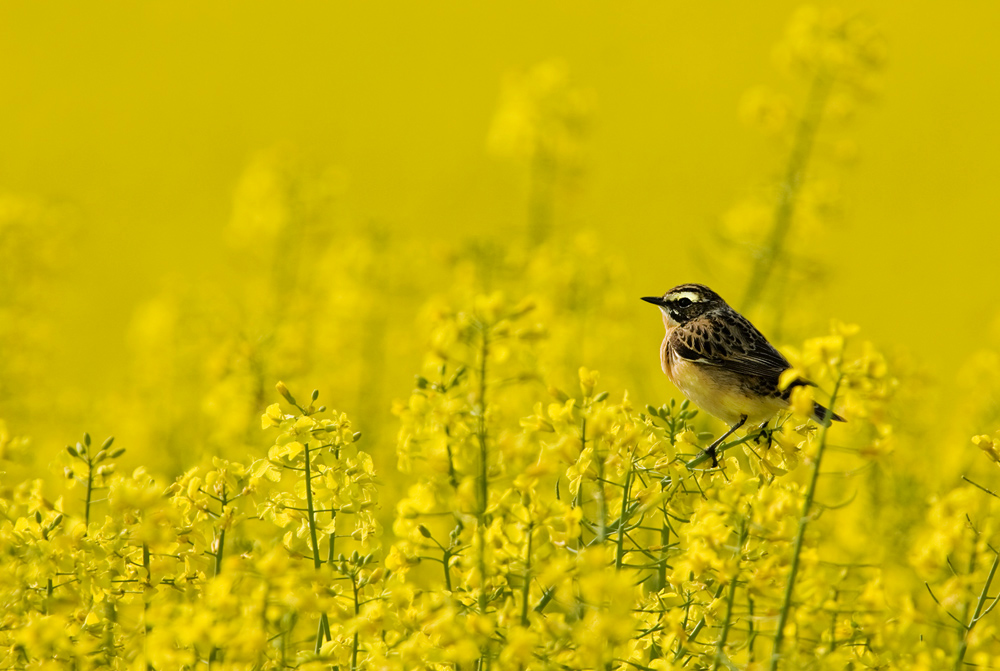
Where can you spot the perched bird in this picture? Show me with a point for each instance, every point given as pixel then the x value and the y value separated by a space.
pixel 721 362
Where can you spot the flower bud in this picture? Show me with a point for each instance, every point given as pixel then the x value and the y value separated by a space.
pixel 588 380
pixel 285 394
pixel 558 394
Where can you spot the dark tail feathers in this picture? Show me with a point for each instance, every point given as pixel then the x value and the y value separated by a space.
pixel 820 414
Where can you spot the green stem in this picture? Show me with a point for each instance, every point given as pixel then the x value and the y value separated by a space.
pixel 481 539
pixel 730 601
pixel 110 620
pixel 526 588
pixel 310 509
pixel 317 562
pixel 324 621
pixel 602 513
pixel 786 605
pixel 963 645
pixel 578 498
pixel 681 646
pixel 620 553
pixel 452 475
pixel 661 565
pixel 220 545
pixel 90 492
pixel 357 611
pixel 791 185
pixel 446 561
pixel 222 536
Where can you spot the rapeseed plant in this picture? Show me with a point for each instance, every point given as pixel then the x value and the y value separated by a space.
pixel 541 515
pixel 540 527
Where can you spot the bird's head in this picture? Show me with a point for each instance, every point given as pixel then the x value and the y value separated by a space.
pixel 686 302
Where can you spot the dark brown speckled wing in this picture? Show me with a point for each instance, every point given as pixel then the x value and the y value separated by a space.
pixel 730 342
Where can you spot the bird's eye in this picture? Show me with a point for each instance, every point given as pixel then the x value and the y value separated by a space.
pixel 684 302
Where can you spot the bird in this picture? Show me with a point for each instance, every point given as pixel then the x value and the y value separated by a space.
pixel 722 363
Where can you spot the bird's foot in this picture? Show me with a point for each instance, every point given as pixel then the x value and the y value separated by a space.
pixel 710 451
pixel 764 432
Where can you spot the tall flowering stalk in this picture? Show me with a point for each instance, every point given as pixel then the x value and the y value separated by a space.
pixel 332 478
pixel 543 121
pixel 837 56
pixel 804 518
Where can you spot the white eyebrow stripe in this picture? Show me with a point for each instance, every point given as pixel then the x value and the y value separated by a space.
pixel 690 295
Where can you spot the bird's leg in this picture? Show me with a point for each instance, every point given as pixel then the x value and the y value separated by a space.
pixel 710 450
pixel 763 432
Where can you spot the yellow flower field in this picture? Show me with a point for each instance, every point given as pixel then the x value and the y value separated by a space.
pixel 343 447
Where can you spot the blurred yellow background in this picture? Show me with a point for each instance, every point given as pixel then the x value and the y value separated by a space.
pixel 442 216
pixel 135 122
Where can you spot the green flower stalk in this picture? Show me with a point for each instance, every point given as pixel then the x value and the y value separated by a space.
pixel 786 604
pixel 981 611
pixel 95 475
pixel 788 190
pixel 336 478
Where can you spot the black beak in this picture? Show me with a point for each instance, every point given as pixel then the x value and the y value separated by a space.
pixel 655 300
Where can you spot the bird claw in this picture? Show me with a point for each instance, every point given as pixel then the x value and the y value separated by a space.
pixel 765 432
pixel 715 457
